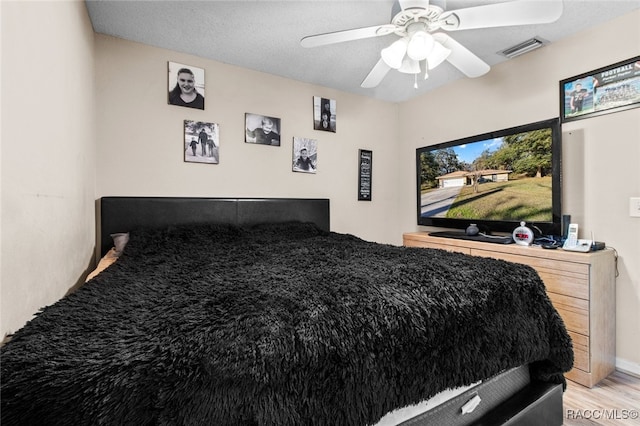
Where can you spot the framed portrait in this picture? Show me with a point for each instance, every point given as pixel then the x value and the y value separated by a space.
pixel 305 155
pixel 186 85
pixel 262 130
pixel 365 170
pixel 201 142
pixel 324 114
pixel 602 91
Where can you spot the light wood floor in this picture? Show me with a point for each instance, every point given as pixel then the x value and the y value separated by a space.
pixel 615 401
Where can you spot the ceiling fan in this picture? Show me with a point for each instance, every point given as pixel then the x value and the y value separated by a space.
pixel 422 44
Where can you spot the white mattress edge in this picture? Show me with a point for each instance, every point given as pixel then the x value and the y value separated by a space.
pixel 400 415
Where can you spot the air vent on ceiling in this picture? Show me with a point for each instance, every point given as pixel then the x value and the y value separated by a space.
pixel 524 47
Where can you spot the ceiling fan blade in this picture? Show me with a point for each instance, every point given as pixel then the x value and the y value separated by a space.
pixel 522 12
pixel 347 35
pixel 376 75
pixel 413 4
pixel 462 58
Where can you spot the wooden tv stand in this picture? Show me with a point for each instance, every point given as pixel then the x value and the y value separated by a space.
pixel 581 286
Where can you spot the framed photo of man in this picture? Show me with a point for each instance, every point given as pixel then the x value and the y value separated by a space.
pixel 324 114
pixel 186 85
pixel 262 130
pixel 201 142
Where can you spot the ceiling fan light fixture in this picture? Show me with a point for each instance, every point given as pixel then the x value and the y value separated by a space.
pixel 409 66
pixel 438 55
pixel 420 45
pixel 394 54
pixel 417 23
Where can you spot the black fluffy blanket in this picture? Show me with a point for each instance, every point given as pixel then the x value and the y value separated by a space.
pixel 275 325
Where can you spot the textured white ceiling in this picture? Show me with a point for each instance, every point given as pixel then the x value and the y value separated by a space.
pixel 264 35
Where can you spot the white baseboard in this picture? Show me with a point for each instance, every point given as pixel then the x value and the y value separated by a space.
pixel 628 367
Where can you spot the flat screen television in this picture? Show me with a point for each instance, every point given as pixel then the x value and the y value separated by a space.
pixel 494 180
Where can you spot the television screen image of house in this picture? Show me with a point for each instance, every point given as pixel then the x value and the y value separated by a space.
pixel 505 178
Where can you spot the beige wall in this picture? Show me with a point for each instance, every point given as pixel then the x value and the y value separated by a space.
pixel 48 154
pixel 600 154
pixel 140 138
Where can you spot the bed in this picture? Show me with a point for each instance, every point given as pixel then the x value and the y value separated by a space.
pixel 252 312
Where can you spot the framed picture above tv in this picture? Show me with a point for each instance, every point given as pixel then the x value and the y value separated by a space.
pixel 602 91
pixel 494 180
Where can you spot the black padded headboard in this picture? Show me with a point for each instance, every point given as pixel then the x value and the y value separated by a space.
pixel 122 214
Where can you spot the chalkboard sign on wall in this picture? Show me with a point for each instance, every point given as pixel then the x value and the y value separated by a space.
pixel 365 169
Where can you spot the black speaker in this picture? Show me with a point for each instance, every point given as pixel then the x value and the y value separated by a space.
pixel 566 220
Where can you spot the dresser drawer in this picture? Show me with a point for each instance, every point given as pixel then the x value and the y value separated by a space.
pixel 580 341
pixel 575 320
pixel 538 263
pixel 567 285
pixel 569 303
pixel 421 244
pixel 581 359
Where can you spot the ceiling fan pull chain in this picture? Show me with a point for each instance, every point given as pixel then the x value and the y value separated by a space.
pixel 415 82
